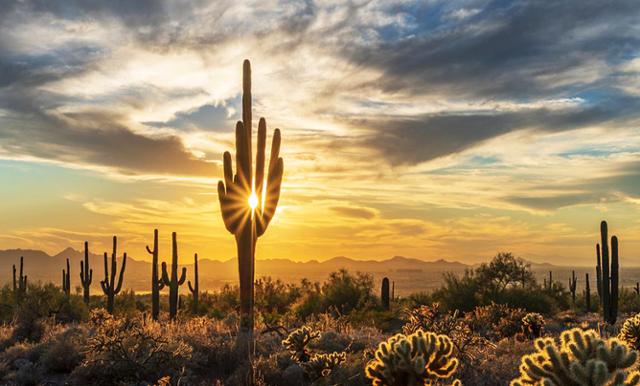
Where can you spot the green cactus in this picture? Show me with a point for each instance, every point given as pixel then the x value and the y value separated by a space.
pixel 573 283
pixel 86 274
pixel 173 282
pixel 610 276
pixel 109 285
pixel 582 358
pixel 195 289
pixel 156 282
pixel 320 365
pixel 533 325
pixel 297 342
pixel 587 293
pixel 630 332
pixel 421 358
pixel 19 284
pixel 248 202
pixel 66 280
pixel 384 295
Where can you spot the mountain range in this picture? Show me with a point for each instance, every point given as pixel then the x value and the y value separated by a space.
pixel 409 274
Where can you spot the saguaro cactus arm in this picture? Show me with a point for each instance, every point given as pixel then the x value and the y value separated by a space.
pixel 236 190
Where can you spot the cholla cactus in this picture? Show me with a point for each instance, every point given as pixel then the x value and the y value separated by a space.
pixel 630 332
pixel 320 365
pixel 421 358
pixel 533 325
pixel 582 358
pixel 297 343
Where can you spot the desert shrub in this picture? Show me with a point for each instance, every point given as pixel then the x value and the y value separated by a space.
pixel 273 297
pixel 496 321
pixel 65 351
pixel 345 292
pixel 41 303
pixel 629 301
pixel 504 280
pixel 533 325
pixel 419 358
pixel 28 375
pixel 630 332
pixel 581 358
pixel 129 350
pixel 496 366
pixel 310 302
pixel 213 354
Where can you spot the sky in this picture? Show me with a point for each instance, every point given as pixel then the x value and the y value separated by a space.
pixel 428 129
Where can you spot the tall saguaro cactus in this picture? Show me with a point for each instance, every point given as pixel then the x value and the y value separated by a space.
pixel 86 274
pixel 109 285
pixel 20 283
pixel 66 280
pixel 573 282
pixel 173 282
pixel 384 293
pixel 587 292
pixel 195 289
pixel 598 274
pixel 156 282
pixel 610 275
pixel 248 201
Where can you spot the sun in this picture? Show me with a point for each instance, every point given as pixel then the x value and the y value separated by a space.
pixel 253 201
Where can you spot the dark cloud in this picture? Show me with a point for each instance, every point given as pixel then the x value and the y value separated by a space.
pixel 355 212
pixel 507 50
pixel 412 140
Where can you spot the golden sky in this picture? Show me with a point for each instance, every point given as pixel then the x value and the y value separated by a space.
pixel 429 129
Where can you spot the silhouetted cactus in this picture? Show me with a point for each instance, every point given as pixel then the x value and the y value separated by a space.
pixel 630 332
pixel 582 358
pixel 587 293
pixel 533 325
pixel 393 290
pixel 610 276
pixel 66 280
pixel 248 201
pixel 109 285
pixel 384 293
pixel 550 282
pixel 195 289
pixel 86 275
pixel 573 282
pixel 637 288
pixel 297 342
pixel 156 281
pixel 599 274
pixel 417 359
pixel 173 282
pixel 20 283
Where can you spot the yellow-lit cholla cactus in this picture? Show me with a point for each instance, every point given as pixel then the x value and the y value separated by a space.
pixel 582 358
pixel 533 325
pixel 320 365
pixel 297 342
pixel 422 358
pixel 630 332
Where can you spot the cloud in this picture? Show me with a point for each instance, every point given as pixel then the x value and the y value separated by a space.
pixel 412 140
pixel 355 212
pixel 519 49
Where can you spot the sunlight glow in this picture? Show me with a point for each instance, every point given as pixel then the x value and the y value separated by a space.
pixel 253 201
